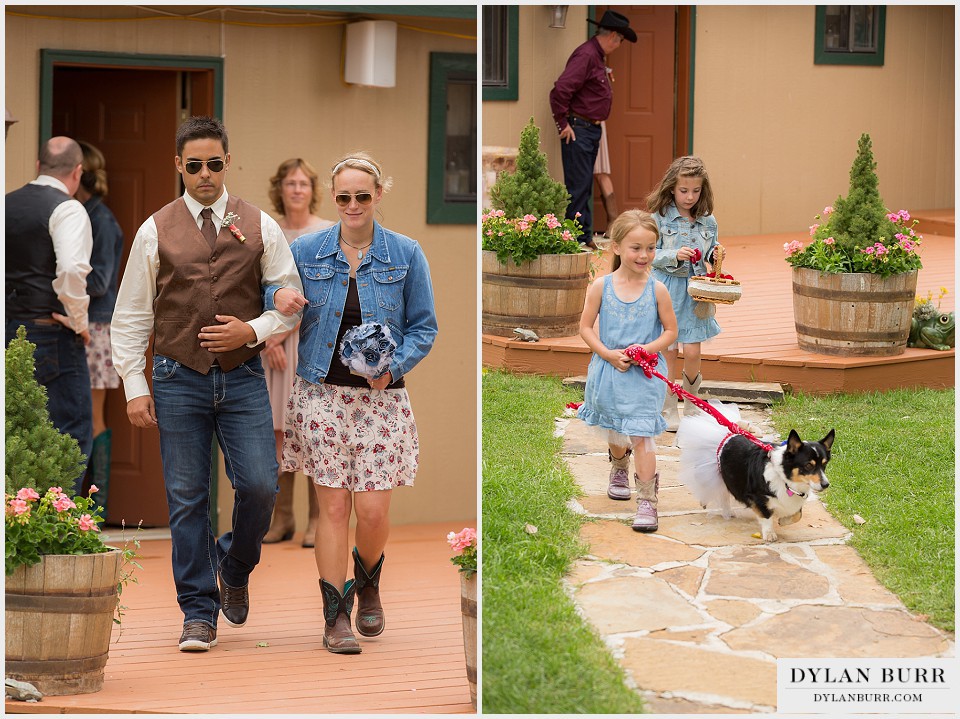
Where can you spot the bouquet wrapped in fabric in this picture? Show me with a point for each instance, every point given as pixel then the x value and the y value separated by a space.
pixel 367 349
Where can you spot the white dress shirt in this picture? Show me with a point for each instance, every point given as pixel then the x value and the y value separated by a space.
pixel 133 317
pixel 72 236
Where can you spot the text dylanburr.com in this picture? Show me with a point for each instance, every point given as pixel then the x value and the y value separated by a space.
pixel 856 686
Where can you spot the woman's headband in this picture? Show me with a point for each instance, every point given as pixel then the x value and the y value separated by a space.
pixel 339 165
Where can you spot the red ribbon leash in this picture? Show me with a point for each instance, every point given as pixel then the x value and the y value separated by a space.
pixel 648 363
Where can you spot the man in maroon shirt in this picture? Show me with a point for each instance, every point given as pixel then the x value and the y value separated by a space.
pixel 579 100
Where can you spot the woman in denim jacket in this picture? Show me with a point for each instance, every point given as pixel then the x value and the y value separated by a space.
pixel 682 206
pixel 355 437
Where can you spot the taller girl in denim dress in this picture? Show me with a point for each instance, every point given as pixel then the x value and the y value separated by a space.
pixel 355 437
pixel 683 206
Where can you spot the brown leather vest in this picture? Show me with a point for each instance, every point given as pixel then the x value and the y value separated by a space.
pixel 194 283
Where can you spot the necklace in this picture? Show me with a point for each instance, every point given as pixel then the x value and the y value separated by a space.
pixel 359 249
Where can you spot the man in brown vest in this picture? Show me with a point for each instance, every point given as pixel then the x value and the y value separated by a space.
pixel 194 279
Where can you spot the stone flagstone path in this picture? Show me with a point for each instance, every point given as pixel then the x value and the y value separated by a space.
pixel 701 600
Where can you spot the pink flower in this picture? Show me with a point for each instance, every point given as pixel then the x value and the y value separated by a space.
pixel 867 250
pixel 577 215
pixel 530 218
pixel 19 506
pixel 523 226
pixel 567 236
pixel 27 493
pixel 94 489
pixel 489 233
pixel 552 222
pixel 829 241
pixel 63 504
pixel 459 541
pixel 87 523
pixel 904 215
pixel 907 245
pixel 55 491
pixel 792 248
pixel 893 216
pixel 813 228
pixel 826 211
pixel 881 250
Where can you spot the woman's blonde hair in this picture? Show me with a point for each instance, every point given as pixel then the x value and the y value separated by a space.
pixel 94 177
pixel 362 161
pixel 292 165
pixel 626 223
pixel 686 166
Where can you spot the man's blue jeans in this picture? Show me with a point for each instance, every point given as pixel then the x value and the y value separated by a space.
pixel 578 160
pixel 60 362
pixel 191 409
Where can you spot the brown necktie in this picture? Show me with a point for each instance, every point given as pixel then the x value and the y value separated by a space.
pixel 207 229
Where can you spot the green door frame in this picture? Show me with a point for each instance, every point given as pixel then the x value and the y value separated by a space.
pixel 50 58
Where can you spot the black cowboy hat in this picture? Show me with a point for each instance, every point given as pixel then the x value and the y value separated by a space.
pixel 612 20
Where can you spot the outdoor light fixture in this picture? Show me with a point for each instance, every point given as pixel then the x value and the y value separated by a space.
pixel 559 16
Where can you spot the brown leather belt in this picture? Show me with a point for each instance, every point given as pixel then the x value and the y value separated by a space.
pixel 585 119
pixel 44 321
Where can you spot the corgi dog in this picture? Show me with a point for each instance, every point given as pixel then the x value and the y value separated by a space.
pixel 777 484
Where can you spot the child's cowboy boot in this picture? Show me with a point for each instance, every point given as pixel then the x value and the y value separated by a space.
pixel 689 408
pixel 619 486
pixel 646 518
pixel 671 413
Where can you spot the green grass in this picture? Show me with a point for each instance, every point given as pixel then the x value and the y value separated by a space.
pixel 893 464
pixel 538 655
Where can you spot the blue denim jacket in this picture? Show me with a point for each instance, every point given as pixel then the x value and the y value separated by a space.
pixel 104 260
pixel 393 282
pixel 677 232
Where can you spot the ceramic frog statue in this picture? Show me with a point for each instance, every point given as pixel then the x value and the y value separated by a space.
pixel 931 330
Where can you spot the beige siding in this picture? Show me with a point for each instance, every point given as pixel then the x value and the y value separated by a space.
pixel 284 97
pixel 778 133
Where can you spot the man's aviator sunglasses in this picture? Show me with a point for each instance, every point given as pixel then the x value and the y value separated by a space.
pixel 362 198
pixel 194 166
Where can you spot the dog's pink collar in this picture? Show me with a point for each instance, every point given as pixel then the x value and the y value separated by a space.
pixel 790 492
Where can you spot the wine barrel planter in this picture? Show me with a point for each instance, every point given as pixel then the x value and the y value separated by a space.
pixel 468 607
pixel 59 614
pixel 545 295
pixel 854 313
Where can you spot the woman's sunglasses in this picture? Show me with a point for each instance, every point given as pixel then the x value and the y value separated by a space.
pixel 362 198
pixel 194 166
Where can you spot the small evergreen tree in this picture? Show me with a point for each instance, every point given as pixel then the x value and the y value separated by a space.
pixel 860 219
pixel 38 455
pixel 529 190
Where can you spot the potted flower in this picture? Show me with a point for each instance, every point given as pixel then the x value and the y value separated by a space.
pixel 854 283
pixel 535 273
pixel 62 581
pixel 464 546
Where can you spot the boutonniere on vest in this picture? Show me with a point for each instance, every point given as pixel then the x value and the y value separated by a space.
pixel 229 221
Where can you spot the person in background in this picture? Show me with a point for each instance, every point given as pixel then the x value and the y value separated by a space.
pixel 48 243
pixel 102 288
pixel 579 101
pixel 295 195
pixel 355 436
pixel 195 279
pixel 601 173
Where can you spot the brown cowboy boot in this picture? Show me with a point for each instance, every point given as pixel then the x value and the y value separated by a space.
pixel 645 519
pixel 618 486
pixel 369 620
pixel 337 636
pixel 310 533
pixel 282 524
pixel 689 408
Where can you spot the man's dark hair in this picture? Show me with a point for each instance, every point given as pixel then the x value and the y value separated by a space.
pixel 59 156
pixel 201 128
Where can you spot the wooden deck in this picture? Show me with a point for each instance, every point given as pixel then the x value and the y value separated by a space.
pixel 416 666
pixel 759 342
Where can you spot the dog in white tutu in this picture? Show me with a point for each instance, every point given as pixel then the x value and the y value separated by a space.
pixel 718 465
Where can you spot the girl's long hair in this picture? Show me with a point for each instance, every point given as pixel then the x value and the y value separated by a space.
pixel 626 223
pixel 686 166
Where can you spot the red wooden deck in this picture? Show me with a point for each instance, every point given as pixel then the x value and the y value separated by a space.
pixel 416 666
pixel 759 342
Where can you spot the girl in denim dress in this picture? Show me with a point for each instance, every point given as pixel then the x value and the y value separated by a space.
pixel 633 308
pixel 355 438
pixel 682 205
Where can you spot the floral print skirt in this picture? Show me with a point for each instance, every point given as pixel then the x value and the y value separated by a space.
pixel 100 358
pixel 353 438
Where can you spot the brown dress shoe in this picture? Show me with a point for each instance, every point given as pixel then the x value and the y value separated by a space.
pixel 337 634
pixel 369 620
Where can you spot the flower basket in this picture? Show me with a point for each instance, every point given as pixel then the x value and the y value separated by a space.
pixel 716 288
pixel 58 619
pixel 468 607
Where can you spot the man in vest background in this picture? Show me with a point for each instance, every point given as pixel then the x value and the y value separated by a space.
pixel 195 283
pixel 48 245
pixel 579 101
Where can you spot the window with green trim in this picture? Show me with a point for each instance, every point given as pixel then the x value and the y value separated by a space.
pixel 850 34
pixel 501 45
pixel 452 153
